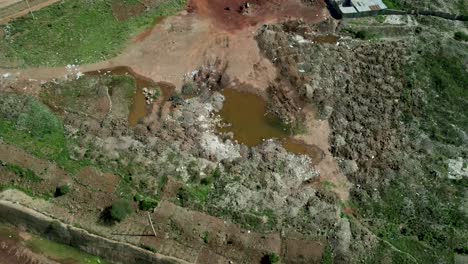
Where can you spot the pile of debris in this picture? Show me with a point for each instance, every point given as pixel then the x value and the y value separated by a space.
pixel 150 95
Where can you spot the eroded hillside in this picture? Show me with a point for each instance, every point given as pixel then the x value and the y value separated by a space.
pixel 258 132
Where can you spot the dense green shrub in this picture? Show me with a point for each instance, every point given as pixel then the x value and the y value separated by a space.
pixel 24 173
pixel 461 36
pixel 120 210
pixel 62 190
pixel 271 258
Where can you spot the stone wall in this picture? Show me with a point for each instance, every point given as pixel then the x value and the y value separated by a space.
pixel 110 250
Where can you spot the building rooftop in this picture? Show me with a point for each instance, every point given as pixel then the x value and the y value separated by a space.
pixel 368 5
pixel 347 10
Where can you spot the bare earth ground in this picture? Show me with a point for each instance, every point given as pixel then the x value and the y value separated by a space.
pixel 181 44
pixel 317 134
pixel 169 52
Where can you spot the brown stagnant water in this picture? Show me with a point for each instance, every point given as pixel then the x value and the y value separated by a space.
pixel 139 108
pixel 300 147
pixel 246 114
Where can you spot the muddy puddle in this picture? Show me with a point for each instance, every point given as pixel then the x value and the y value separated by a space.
pixel 300 147
pixel 326 39
pixel 139 107
pixel 18 247
pixel 246 117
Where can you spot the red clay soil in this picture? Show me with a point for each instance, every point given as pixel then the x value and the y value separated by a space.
pixel 234 15
pixel 124 11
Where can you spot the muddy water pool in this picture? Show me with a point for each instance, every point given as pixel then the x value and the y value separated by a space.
pixel 247 118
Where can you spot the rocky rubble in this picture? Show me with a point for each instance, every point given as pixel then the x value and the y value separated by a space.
pixel 150 95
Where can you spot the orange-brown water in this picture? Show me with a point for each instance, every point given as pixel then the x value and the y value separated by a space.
pixel 247 115
pixel 300 147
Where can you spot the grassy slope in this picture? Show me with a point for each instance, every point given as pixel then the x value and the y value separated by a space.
pixel 459 6
pixel 75 32
pixel 419 210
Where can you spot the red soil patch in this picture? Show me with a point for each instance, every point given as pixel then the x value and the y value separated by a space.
pixel 349 211
pixel 142 36
pixel 303 251
pixel 235 15
pixel 123 11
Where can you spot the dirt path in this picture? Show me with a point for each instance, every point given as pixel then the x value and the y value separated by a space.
pixel 181 44
pixel 36 5
pixel 317 134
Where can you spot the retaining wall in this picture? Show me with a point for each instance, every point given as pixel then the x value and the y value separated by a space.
pixel 408 12
pixel 111 250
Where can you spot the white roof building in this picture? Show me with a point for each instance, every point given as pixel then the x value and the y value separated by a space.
pixel 350 7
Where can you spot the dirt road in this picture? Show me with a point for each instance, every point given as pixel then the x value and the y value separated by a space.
pixel 207 32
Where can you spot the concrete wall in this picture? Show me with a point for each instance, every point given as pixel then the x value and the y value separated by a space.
pixel 110 250
pixel 408 12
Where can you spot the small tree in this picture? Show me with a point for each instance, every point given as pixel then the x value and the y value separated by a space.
pixel 62 190
pixel 120 210
pixel 273 258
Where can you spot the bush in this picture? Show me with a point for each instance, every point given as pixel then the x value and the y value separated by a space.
pixel 271 258
pixel 190 89
pixel 147 204
pixel 24 173
pixel 120 210
pixel 460 36
pixel 392 4
pixel 62 190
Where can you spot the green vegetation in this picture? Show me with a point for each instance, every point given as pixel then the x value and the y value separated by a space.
pixel 272 258
pixel 392 4
pixel 327 257
pixel 194 195
pixel 23 173
pixel 380 18
pixel 419 209
pixel 197 194
pixel 60 252
pixel 206 237
pixel 76 32
pixel 148 247
pixel 460 36
pixel 120 210
pixel 442 113
pixel 62 190
pixel 27 123
pixel 384 254
pixel 260 221
pixel 190 89
pixel 26 190
pixel 145 203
